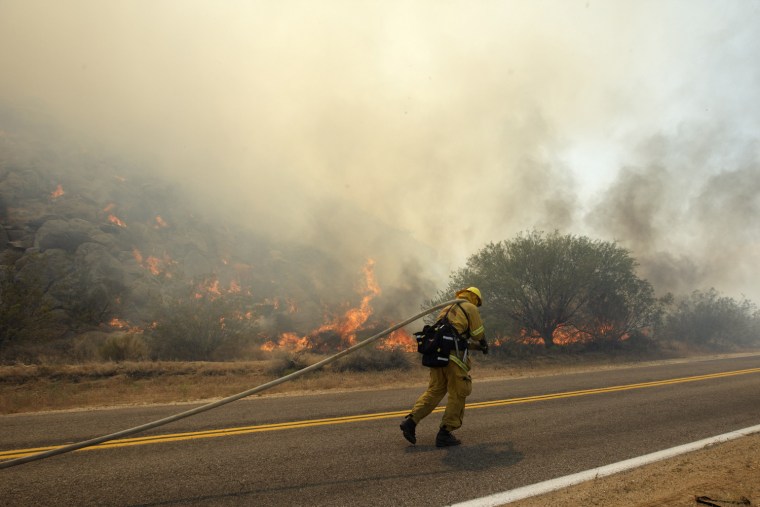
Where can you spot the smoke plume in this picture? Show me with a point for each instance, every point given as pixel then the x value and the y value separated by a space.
pixel 414 133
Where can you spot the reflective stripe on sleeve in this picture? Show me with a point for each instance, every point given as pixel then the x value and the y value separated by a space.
pixel 478 331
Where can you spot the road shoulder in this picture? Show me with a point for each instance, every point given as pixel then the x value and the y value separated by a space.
pixel 726 472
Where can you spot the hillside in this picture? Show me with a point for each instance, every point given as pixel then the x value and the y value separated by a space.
pixel 92 249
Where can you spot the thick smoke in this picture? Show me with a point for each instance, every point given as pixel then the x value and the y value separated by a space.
pixel 690 215
pixel 414 133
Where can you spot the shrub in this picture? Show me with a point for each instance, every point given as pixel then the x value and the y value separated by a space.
pixel 199 329
pixel 371 359
pixel 124 347
pixel 286 362
pixel 85 347
pixel 710 320
pixel 25 314
pixel 514 348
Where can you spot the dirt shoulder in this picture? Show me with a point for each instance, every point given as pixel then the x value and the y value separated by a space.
pixel 725 474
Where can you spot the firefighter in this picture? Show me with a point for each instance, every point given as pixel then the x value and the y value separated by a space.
pixel 454 378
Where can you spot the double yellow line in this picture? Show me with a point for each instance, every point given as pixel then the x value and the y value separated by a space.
pixel 176 437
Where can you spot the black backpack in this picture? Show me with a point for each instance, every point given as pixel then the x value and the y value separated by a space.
pixel 436 341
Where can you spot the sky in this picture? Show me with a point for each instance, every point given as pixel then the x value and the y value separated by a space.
pixel 451 124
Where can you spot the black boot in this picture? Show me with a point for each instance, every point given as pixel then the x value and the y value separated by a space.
pixel 407 428
pixel 444 438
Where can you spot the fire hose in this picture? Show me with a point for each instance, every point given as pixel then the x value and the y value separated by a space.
pixel 223 401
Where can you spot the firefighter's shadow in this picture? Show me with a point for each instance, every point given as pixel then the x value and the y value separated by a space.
pixel 476 457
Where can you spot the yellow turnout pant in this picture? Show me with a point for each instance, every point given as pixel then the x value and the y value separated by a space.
pixel 451 380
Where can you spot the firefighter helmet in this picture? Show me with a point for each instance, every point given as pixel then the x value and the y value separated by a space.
pixel 473 290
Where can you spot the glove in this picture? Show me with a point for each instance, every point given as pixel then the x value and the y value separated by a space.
pixel 483 346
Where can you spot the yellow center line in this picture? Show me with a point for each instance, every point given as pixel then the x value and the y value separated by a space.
pixel 175 437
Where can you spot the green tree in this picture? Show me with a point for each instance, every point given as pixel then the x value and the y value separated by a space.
pixel 619 307
pixel 708 319
pixel 537 283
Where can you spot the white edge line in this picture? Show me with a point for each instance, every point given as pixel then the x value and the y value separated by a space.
pixel 569 480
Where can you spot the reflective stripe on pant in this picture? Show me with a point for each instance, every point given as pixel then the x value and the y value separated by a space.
pixel 448 379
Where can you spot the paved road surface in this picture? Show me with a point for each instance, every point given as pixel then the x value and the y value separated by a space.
pixel 521 438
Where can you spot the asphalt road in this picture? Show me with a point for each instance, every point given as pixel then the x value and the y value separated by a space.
pixel 521 437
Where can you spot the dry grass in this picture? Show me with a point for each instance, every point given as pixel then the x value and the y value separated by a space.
pixel 38 388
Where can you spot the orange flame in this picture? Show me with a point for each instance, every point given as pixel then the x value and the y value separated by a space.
pixel 214 288
pixel 58 192
pixel 118 323
pixel 209 288
pixel 354 318
pixel 240 316
pixel 530 338
pixel 562 335
pixel 116 221
pixel 160 222
pixel 290 341
pixel 345 326
pixel 109 207
pixel 152 263
pixel 399 340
